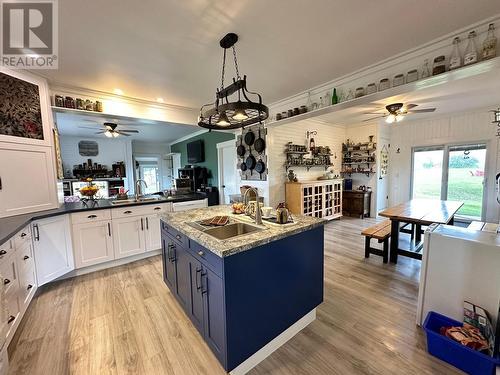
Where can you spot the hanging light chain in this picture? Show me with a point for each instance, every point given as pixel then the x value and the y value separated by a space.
pixel 236 64
pixel 223 70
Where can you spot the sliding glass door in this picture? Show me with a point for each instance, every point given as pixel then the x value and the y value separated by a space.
pixel 451 172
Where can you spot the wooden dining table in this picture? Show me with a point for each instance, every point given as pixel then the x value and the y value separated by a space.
pixel 417 212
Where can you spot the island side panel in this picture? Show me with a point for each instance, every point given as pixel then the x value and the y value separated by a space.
pixel 269 288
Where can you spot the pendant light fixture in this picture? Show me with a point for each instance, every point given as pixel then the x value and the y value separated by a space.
pixel 232 108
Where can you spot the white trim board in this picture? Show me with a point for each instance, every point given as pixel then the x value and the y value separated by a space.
pixel 186 137
pixel 274 344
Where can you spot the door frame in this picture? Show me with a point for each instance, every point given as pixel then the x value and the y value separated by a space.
pixel 444 177
pixel 220 146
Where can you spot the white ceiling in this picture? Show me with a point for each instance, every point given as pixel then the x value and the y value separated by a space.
pixel 70 124
pixel 169 48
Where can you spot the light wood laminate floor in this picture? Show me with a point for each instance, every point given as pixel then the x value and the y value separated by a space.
pixel 124 321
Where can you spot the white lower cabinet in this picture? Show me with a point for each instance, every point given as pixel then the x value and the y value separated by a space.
pixel 152 232
pixel 92 243
pixel 128 236
pixel 189 205
pixel 52 248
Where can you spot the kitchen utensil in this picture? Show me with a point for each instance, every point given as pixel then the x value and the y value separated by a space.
pixel 260 167
pixel 249 138
pixel 250 162
pixel 243 166
pixel 260 144
pixel 241 149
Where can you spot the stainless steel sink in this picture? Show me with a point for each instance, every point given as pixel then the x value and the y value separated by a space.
pixel 132 200
pixel 232 230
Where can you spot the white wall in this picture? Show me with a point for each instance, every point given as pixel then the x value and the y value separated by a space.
pixel 110 151
pixel 458 128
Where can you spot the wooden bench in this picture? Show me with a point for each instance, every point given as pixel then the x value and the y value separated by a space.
pixel 381 232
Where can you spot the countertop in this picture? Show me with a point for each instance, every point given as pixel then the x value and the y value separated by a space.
pixel 9 226
pixel 223 248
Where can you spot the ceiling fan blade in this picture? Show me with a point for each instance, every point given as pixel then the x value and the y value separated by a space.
pixel 128 131
pixel 373 118
pixel 374 113
pixel 89 127
pixel 422 110
pixel 410 106
pixel 121 133
pixel 101 132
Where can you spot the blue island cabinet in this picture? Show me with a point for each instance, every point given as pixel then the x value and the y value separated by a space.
pixel 241 302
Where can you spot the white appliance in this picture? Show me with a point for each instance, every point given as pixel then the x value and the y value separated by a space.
pixel 102 185
pixel 459 264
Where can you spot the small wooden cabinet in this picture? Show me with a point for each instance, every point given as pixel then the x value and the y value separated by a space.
pixel 321 199
pixel 356 203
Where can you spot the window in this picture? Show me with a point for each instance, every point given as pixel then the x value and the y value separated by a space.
pixel 148 170
pixel 451 172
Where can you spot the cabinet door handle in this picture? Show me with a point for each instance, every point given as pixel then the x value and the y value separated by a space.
pixel 127 212
pixel 37 232
pixel 11 319
pixel 23 235
pixel 201 253
pixel 26 257
pixel 3 252
pixel 157 208
pixel 29 287
pixel 147 224
pixel 6 281
pixel 142 223
pixel 91 216
pixel 203 291
pixel 0 183
pixel 178 237
pixel 198 271
pixel 109 229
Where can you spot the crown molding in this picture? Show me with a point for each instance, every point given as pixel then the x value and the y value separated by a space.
pixel 189 136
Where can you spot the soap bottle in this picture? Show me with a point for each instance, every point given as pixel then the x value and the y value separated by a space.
pixel 470 56
pixel 455 58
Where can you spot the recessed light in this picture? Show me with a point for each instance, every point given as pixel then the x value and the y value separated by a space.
pixel 160 100
pixel 118 92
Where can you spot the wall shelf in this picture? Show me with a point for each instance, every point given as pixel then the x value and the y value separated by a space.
pixel 325 166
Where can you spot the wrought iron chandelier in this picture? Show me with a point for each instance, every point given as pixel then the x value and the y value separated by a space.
pixel 224 114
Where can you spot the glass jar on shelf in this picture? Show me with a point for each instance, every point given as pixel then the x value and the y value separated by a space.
pixel 455 57
pixel 490 44
pixel 426 69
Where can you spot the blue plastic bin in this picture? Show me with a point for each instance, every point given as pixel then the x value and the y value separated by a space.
pixel 466 359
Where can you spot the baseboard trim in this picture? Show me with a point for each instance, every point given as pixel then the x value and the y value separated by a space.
pixel 274 344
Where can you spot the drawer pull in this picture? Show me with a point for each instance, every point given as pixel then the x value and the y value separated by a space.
pixel 157 208
pixel 91 216
pixel 23 235
pixel 29 287
pixel 11 319
pixel 178 237
pixel 201 253
pixel 6 281
pixel 127 212
pixel 3 252
pixel 26 257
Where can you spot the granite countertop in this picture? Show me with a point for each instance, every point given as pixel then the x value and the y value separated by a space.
pixel 9 226
pixel 223 248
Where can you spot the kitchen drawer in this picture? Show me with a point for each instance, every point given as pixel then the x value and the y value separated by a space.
pixel 25 258
pixel 27 286
pixel 209 259
pixel 8 273
pixel 22 238
pixel 12 307
pixel 147 209
pixel 90 216
pixel 175 234
pixel 5 250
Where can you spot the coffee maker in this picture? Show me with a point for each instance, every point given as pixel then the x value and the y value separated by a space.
pixel 198 177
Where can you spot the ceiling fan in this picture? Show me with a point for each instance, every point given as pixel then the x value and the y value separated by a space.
pixel 397 111
pixel 110 130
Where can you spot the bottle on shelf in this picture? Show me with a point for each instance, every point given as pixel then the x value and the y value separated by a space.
pixel 455 58
pixel 335 98
pixel 470 55
pixel 490 44
pixel 426 70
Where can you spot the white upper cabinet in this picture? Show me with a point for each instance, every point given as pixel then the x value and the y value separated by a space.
pixel 24 108
pixel 27 179
pixel 52 248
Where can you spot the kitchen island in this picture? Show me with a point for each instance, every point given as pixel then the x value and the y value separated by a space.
pixel 247 288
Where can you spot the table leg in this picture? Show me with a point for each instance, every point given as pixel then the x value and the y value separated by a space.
pixel 394 240
pixel 418 233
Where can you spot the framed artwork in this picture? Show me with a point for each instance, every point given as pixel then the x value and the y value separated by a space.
pixel 20 108
pixel 384 161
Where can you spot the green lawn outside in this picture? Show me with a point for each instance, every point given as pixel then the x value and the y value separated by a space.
pixel 462 186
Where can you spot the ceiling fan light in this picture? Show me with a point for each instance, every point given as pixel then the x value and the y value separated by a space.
pixel 399 117
pixel 240 115
pixel 390 119
pixel 115 134
pixel 108 134
pixel 223 120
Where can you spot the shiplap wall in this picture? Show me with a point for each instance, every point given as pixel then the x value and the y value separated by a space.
pixel 458 128
pixel 279 136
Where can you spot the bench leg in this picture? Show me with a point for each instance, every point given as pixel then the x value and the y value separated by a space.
pixel 367 246
pixel 386 250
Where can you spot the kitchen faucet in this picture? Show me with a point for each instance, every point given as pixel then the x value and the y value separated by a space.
pixel 138 190
pixel 258 216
